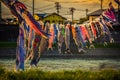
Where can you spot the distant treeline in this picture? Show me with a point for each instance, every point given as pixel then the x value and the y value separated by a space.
pixel 9 32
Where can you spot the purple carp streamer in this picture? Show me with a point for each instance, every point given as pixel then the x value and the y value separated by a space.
pixel 117 1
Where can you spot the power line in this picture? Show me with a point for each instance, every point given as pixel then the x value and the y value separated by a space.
pixel 77 9
pixel 66 1
pixel 49 0
pixel 64 10
pixel 25 1
pixel 31 7
pixel 80 10
pixel 47 9
pixel 64 13
pixel 36 9
pixel 46 6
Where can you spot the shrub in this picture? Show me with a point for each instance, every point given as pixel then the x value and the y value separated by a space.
pixel 61 75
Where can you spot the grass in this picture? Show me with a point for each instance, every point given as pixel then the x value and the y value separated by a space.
pixel 109 45
pixel 102 45
pixel 63 70
pixel 36 74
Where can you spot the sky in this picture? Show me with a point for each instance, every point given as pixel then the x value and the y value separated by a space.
pixel 48 6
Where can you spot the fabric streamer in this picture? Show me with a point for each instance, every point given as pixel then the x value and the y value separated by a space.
pixel 19 10
pixel 117 1
pixel 67 38
pixel 20 54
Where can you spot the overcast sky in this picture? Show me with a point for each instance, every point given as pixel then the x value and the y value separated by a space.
pixel 48 6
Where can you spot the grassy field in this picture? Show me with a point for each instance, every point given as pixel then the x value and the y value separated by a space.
pixel 66 64
pixel 63 69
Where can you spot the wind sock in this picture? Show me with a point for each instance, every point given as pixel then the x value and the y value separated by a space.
pixel 43 44
pixel 84 32
pixel 36 43
pixel 77 36
pixel 30 39
pixel 67 38
pixel 11 6
pixel 107 21
pixel 20 50
pixel 55 34
pixel 117 1
pixel 34 24
pixel 106 30
pixel 51 38
pixel 19 10
pixel 61 37
pixel 104 27
pixel 109 14
pixel 93 29
pixel 97 27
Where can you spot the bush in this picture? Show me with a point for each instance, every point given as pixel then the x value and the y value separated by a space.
pixel 2 70
pixel 8 44
pixel 36 74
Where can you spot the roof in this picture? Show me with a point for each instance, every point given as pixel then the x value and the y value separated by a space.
pixel 97 12
pixel 41 15
pixel 55 14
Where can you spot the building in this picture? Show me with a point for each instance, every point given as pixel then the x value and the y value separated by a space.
pixel 51 18
pixel 39 16
pixel 54 18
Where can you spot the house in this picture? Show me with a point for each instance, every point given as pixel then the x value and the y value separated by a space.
pixel 51 18
pixel 39 16
pixel 97 13
pixel 54 18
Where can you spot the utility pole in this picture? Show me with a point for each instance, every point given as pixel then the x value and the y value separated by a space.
pixel 86 12
pixel 72 12
pixel 0 11
pixel 101 4
pixel 33 7
pixel 58 7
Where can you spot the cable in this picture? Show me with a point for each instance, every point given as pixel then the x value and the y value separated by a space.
pixel 65 1
pixel 46 6
pixel 25 1
pixel 42 11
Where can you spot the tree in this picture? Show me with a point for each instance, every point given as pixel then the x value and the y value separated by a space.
pixel 83 20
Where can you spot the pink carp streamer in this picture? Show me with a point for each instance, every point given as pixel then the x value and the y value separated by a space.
pixel 117 1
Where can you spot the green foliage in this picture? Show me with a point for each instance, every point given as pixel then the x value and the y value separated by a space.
pixel 83 20
pixel 35 74
pixel 8 44
pixel 109 45
pixel 2 70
